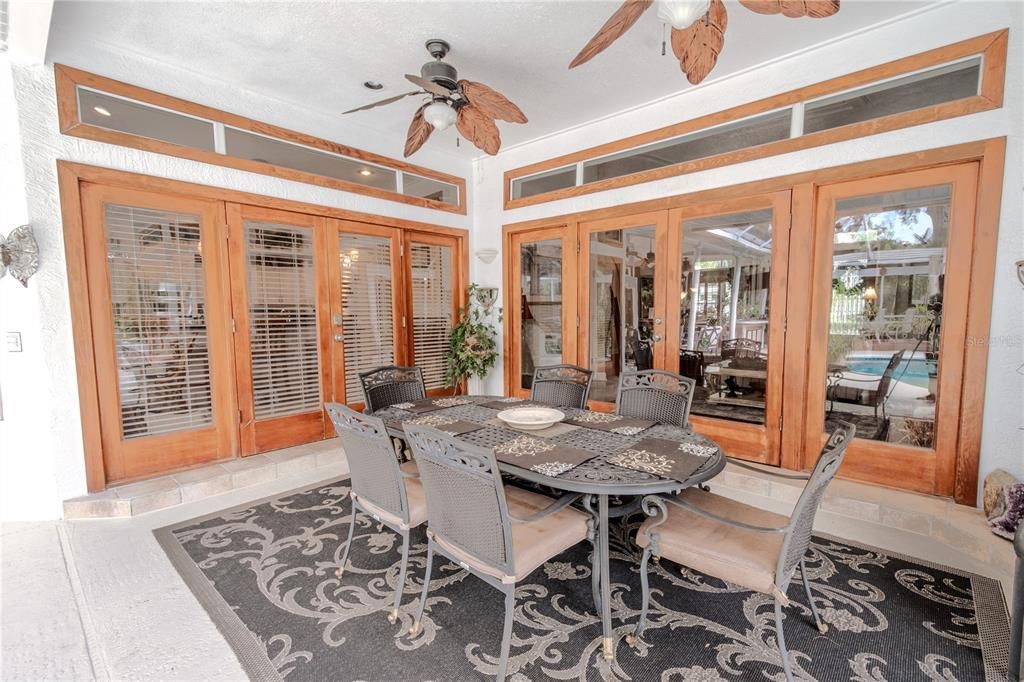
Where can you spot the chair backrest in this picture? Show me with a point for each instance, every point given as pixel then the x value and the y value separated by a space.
pixel 708 338
pixel 882 392
pixel 386 386
pixel 691 364
pixel 801 523
pixel 373 465
pixel 563 385
pixel 465 498
pixel 907 326
pixel 656 395
pixel 740 348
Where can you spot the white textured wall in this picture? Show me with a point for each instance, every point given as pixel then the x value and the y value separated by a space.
pixel 1003 438
pixel 41 457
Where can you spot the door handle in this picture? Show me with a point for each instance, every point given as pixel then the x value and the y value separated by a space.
pixel 657 337
pixel 339 338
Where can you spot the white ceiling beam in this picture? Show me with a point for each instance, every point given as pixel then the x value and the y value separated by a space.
pixel 29 30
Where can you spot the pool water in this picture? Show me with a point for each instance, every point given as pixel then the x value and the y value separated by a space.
pixel 913 371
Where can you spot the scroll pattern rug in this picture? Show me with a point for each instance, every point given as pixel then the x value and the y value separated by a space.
pixel 265 573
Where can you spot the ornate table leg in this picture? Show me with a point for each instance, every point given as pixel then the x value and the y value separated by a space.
pixel 607 641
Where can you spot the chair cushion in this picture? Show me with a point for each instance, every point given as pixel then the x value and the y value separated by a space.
pixel 415 496
pixel 743 557
pixel 532 543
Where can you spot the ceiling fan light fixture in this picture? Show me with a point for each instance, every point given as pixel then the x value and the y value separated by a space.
pixel 681 13
pixel 439 115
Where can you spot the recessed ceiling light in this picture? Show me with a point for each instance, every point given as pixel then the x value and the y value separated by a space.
pixel 366 172
pixel 102 111
pixel 373 85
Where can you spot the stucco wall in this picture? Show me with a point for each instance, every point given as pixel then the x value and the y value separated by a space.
pixel 41 457
pixel 1003 437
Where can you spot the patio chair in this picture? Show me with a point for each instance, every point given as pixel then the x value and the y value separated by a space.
pixel 718 536
pixel 386 386
pixel 380 487
pixel 691 364
pixel 878 394
pixel 656 395
pixel 499 534
pixel 562 385
pixel 740 348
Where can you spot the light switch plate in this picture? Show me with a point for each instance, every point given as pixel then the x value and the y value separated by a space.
pixel 13 342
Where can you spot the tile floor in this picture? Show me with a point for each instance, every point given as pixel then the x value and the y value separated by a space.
pixel 98 599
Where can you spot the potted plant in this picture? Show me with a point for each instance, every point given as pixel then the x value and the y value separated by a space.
pixel 473 347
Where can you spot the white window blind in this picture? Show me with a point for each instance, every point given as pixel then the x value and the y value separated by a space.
pixel 432 292
pixel 282 320
pixel 367 308
pixel 159 310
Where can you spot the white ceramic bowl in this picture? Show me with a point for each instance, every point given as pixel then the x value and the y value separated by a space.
pixel 531 418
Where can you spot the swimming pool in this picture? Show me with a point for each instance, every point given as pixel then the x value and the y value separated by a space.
pixel 913 370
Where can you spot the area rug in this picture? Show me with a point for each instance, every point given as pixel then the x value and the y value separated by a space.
pixel 265 573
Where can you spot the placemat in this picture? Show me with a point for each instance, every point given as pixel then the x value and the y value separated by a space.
pixel 431 404
pixel 557 429
pixel 541 455
pixel 606 421
pixel 664 457
pixel 442 422
pixel 509 403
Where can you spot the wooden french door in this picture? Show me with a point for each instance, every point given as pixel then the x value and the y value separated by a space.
pixel 367 309
pixel 726 266
pixel 161 329
pixel 433 286
pixel 891 277
pixel 282 326
pixel 541 309
pixel 623 305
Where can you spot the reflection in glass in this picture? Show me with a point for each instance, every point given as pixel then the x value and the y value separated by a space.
pixel 621 306
pixel 540 285
pixel 724 302
pixel 889 261
pixel 367 309
pixel 159 306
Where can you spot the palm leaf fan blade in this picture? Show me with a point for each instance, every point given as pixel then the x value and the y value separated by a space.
pixel 419 131
pixel 478 128
pixel 492 102
pixel 698 45
pixel 617 24
pixel 816 9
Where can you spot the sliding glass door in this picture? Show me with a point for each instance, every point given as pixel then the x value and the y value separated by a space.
pixel 729 278
pixel 161 330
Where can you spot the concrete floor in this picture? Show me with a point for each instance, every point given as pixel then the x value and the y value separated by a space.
pixel 98 599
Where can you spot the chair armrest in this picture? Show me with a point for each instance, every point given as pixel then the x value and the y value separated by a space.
pixel 558 505
pixel 682 504
pixel 795 477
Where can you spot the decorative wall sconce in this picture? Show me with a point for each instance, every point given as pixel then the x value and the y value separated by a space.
pixel 487 256
pixel 19 254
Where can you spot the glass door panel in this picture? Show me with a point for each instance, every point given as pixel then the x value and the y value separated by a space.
pixel 157 273
pixel 433 298
pixel 280 326
pixel 889 319
pixel 367 314
pixel 623 300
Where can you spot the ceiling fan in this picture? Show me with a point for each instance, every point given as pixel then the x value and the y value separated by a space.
pixel 473 107
pixel 698 27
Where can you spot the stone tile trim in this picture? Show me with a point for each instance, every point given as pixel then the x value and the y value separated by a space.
pixel 190 485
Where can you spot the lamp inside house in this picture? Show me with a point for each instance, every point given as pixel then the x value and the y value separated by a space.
pixel 439 114
pixel 870 295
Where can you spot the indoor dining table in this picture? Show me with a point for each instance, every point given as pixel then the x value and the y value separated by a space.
pixel 473 419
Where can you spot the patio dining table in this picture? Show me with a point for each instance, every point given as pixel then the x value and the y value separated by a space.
pixel 473 419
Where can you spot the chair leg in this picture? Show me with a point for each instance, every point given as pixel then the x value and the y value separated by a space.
pixel 645 591
pixel 781 639
pixel 348 545
pixel 400 587
pixel 506 637
pixel 822 626
pixel 595 580
pixel 426 588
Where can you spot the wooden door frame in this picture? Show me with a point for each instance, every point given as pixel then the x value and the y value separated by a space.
pixel 513 242
pixel 275 432
pixel 657 219
pixel 190 447
pixel 990 155
pixel 747 441
pixel 923 470
pixel 71 177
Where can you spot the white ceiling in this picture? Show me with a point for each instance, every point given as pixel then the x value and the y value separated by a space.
pixel 317 54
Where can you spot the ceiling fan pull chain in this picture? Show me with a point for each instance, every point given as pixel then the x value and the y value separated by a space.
pixel 664 37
